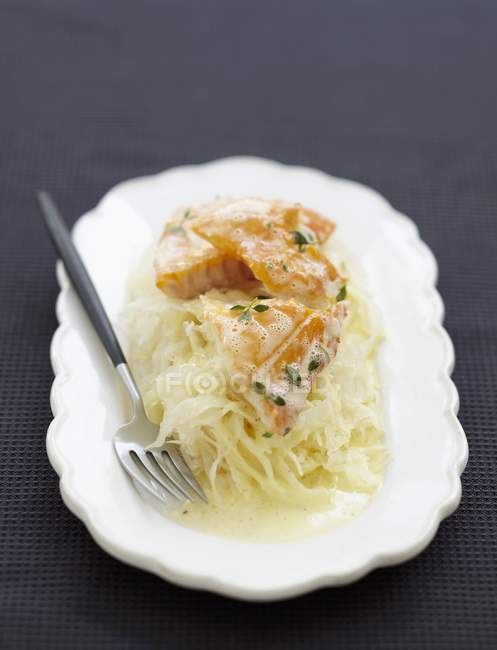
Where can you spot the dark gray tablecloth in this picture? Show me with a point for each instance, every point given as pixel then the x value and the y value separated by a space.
pixel 396 94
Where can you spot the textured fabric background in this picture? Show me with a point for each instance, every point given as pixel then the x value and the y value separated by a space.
pixel 399 95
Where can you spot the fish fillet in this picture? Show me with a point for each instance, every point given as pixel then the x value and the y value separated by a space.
pixel 268 237
pixel 274 349
pixel 187 266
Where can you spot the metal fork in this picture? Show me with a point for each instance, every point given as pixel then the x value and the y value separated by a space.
pixel 162 472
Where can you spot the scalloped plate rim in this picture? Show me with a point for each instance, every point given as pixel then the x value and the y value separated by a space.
pixel 76 503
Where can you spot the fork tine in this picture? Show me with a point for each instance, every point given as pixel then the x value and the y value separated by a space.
pixel 165 466
pixel 158 475
pixel 142 479
pixel 180 464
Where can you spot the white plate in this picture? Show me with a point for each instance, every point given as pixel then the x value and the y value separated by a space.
pixel 427 444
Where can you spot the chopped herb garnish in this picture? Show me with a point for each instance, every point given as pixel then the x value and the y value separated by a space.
pixel 270 266
pixel 301 239
pixel 259 387
pixel 267 434
pixel 287 431
pixel 245 309
pixel 293 375
pixel 342 294
pixel 277 399
pixel 269 224
pixel 177 230
pixel 284 267
pixel 187 214
pixel 326 353
pixel 314 363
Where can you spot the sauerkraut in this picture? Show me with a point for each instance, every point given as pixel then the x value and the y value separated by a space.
pixel 336 444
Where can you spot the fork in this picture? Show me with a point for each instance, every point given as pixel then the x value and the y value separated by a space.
pixel 161 472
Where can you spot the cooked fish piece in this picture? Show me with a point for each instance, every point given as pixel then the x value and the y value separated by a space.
pixel 282 213
pixel 273 350
pixel 186 265
pixel 267 237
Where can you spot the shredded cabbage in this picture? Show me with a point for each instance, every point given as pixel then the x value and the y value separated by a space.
pixel 336 445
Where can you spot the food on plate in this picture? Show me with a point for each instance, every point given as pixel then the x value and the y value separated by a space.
pixel 187 266
pixel 271 240
pixel 280 345
pixel 226 242
pixel 255 350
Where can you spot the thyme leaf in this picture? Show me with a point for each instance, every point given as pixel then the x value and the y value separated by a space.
pixel 293 375
pixel 314 363
pixel 301 239
pixel 259 387
pixel 276 399
pixel 245 309
pixel 176 230
pixel 342 294
pixel 325 352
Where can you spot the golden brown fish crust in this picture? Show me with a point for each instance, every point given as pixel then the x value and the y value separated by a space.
pixel 268 238
pixel 187 266
pixel 275 348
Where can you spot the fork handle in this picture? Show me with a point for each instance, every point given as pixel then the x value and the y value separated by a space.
pixel 79 277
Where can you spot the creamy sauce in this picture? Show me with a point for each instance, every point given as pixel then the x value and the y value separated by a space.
pixel 261 520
